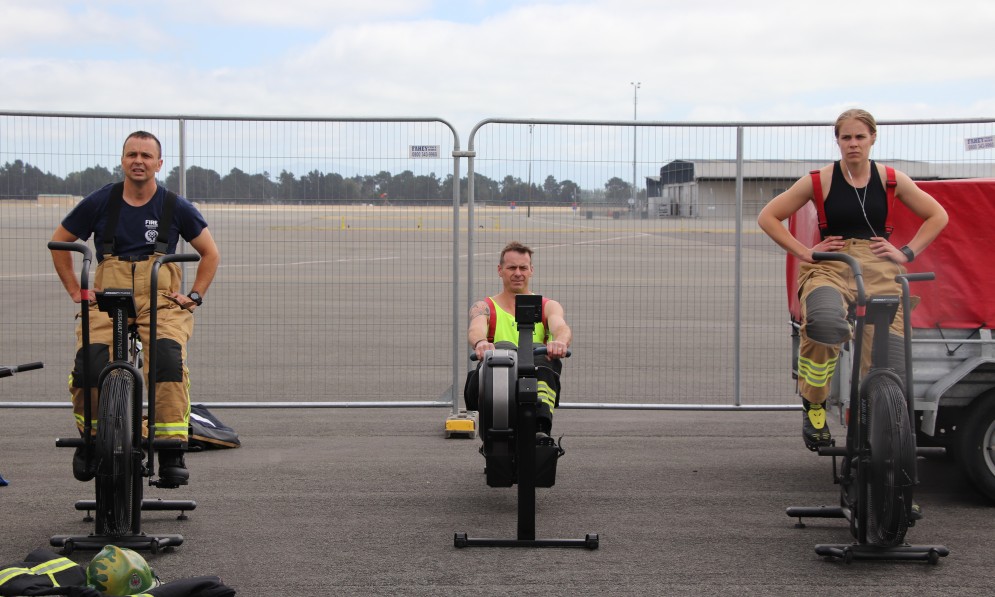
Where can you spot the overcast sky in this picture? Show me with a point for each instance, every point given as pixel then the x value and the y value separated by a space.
pixel 466 60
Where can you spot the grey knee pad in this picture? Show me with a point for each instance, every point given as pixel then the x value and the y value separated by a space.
pixel 825 317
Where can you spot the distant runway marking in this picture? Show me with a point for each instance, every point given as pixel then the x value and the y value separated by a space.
pixel 313 262
pixel 23 276
pixel 355 229
pixel 585 242
pixel 360 228
pixel 233 266
pixel 609 240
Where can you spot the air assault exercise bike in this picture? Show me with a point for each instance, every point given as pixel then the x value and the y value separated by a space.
pixel 508 397
pixel 114 452
pixel 878 469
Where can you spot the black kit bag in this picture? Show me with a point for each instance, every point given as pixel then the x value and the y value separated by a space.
pixel 207 432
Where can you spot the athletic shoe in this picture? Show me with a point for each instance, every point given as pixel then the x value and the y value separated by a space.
pixel 815 430
pixel 80 470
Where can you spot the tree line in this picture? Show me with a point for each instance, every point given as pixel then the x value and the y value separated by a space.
pixel 19 180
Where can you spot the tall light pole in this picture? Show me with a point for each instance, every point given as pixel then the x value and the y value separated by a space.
pixel 635 97
pixel 530 170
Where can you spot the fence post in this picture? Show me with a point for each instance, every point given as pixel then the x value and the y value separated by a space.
pixel 738 293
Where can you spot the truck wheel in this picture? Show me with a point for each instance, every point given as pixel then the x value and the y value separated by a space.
pixel 977 445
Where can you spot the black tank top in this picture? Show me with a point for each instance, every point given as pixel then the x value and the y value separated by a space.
pixel 844 216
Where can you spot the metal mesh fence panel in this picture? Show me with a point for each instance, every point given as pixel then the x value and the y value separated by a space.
pixel 647 235
pixel 336 241
pixel 649 299
pixel 338 237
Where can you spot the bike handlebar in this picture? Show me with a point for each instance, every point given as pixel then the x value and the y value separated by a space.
pixel 84 277
pixel 858 276
pixel 540 350
pixel 77 247
pixel 10 371
pixel 918 277
pixel 177 257
pixel 536 351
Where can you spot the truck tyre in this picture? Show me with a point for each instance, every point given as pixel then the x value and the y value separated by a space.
pixel 977 444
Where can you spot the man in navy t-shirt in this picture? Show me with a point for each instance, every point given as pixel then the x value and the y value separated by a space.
pixel 134 208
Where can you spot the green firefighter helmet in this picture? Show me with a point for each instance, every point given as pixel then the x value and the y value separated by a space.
pixel 119 571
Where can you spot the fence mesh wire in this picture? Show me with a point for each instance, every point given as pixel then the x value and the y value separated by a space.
pixel 337 247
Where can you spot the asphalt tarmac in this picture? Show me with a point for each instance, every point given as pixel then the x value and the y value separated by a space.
pixel 366 502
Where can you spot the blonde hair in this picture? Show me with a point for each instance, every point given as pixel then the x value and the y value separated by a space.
pixel 856 114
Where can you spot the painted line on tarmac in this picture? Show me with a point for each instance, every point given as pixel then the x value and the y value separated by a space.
pixel 23 276
pixel 314 262
pixel 564 245
pixel 236 265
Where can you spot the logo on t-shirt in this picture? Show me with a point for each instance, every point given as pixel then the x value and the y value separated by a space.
pixel 151 231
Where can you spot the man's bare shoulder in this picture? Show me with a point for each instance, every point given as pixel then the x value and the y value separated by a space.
pixel 479 308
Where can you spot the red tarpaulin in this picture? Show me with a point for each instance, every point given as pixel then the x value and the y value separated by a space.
pixel 963 294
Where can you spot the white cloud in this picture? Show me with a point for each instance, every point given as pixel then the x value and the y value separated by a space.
pixel 300 14
pixel 49 28
pixel 721 60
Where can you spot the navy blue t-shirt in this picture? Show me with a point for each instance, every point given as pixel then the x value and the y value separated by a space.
pixel 137 227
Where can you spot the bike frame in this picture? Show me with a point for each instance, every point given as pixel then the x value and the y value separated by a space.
pixel 153 334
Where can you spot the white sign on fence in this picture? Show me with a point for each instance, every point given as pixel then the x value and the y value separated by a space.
pixel 423 151
pixel 972 143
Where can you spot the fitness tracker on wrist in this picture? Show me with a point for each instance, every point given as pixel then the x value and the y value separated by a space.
pixel 199 300
pixel 908 253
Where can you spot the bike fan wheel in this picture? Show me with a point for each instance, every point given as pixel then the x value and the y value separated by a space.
pixel 115 458
pixel 892 471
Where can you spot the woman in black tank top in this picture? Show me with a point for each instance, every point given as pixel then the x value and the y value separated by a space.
pixel 855 189
pixel 853 220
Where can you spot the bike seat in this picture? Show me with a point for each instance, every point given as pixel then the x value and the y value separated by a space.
pixel 117 298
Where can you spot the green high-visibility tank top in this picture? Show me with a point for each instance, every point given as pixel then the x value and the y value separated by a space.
pixel 503 328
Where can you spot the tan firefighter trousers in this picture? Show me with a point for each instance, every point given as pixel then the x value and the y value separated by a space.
pixel 174 328
pixel 817 361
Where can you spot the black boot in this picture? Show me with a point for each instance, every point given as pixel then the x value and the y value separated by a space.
pixel 815 429
pixel 172 468
pixel 544 427
pixel 80 469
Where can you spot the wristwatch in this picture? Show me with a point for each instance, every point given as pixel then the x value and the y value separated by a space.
pixel 908 253
pixel 199 300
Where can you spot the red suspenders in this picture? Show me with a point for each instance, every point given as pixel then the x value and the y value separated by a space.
pixel 820 208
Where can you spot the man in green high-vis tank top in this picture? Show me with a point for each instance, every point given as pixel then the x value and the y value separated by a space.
pixel 492 325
